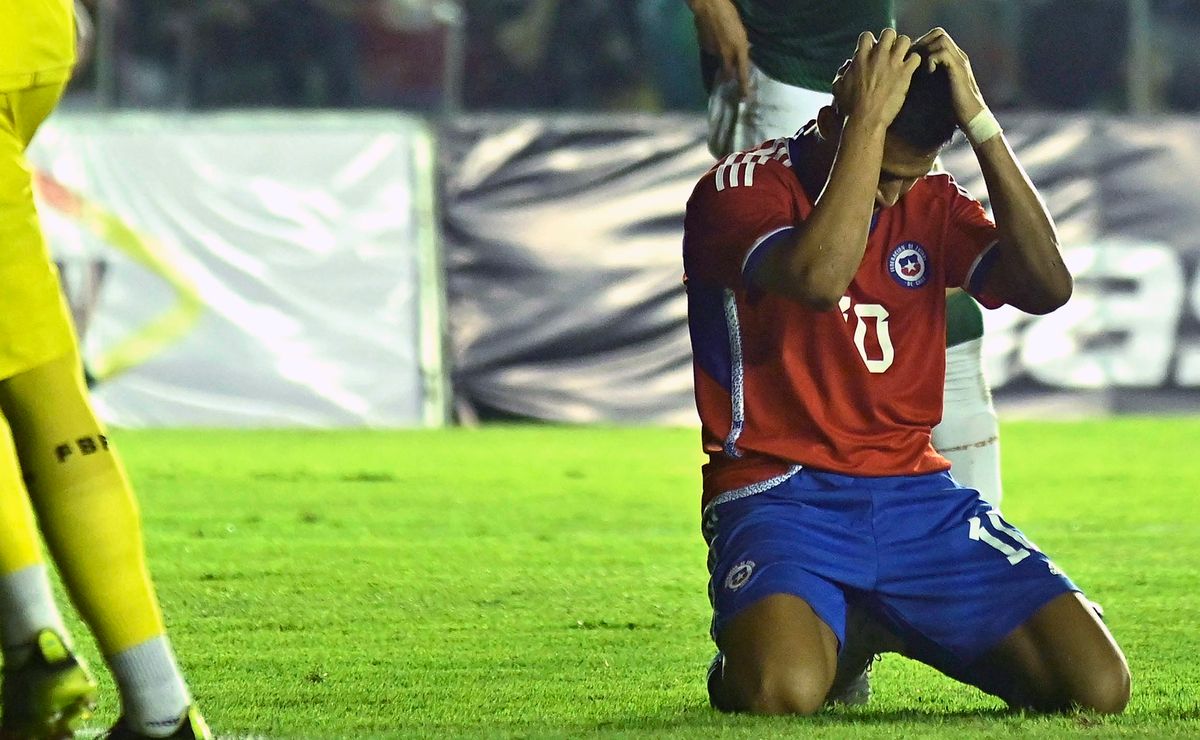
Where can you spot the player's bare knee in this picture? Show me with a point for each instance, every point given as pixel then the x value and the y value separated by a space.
pixel 787 690
pixel 1106 691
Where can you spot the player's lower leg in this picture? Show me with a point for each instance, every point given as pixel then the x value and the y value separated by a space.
pixel 45 690
pixel 778 658
pixel 969 434
pixel 1062 659
pixel 866 640
pixel 90 522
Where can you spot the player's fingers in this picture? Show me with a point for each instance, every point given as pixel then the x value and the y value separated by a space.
pixel 743 71
pixel 901 46
pixel 937 42
pixel 932 49
pixel 912 62
pixel 934 33
pixel 923 38
pixel 931 53
pixel 887 38
pixel 866 42
pixel 928 39
pixel 729 70
pixel 944 36
pixel 839 79
pixel 940 58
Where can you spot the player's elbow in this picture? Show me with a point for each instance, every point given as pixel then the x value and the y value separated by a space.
pixel 820 300
pixel 814 291
pixel 1053 296
pixel 808 272
pixel 1062 289
pixel 815 297
pixel 818 290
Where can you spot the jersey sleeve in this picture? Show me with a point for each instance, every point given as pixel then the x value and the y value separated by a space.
pixel 968 242
pixel 737 210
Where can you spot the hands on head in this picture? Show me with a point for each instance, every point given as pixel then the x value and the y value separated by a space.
pixel 874 83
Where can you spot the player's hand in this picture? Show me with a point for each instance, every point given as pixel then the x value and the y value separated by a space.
pixel 872 85
pixel 721 33
pixel 941 51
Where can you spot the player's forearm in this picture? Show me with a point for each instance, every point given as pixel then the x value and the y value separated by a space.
pixel 700 7
pixel 817 265
pixel 1030 270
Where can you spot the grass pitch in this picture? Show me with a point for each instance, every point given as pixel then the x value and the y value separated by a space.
pixel 531 581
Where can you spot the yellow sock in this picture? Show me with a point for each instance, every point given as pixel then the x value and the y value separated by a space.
pixel 93 530
pixel 85 507
pixel 27 603
pixel 19 546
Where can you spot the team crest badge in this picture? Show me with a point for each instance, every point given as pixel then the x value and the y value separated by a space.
pixel 739 574
pixel 909 265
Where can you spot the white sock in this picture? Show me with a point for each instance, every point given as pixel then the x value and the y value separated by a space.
pixel 969 435
pixel 153 693
pixel 27 607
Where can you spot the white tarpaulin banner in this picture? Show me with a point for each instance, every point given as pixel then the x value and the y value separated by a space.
pixel 249 269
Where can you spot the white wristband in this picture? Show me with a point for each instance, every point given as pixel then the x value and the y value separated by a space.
pixel 982 127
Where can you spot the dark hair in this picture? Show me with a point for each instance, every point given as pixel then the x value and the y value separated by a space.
pixel 926 120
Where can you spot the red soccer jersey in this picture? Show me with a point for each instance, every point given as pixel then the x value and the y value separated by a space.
pixel 853 390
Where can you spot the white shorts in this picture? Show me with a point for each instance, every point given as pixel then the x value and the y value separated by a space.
pixel 771 109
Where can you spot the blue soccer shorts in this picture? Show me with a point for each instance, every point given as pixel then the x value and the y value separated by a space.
pixel 930 558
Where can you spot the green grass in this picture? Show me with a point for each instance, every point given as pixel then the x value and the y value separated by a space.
pixel 545 581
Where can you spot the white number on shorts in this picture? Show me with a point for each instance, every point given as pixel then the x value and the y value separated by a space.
pixel 863 312
pixel 1014 554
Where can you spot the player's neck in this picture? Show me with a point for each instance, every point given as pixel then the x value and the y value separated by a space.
pixel 816 162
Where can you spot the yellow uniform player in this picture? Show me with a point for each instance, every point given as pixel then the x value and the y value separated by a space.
pixel 56 459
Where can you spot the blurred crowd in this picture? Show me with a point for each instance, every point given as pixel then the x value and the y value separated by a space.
pixel 620 55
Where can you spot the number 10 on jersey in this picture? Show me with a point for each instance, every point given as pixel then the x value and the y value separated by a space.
pixel 870 317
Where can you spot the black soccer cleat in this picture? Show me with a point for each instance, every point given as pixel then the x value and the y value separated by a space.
pixel 191 727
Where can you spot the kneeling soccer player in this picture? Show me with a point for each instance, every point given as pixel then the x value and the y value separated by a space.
pixel 56 459
pixel 817 269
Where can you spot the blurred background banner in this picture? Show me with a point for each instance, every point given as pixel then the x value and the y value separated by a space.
pixel 1128 213
pixel 564 275
pixel 562 238
pixel 250 269
pixel 257 269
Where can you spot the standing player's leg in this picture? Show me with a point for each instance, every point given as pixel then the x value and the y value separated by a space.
pixel 46 690
pixel 770 109
pixel 84 506
pixel 969 433
pixel 90 520
pixel 775 109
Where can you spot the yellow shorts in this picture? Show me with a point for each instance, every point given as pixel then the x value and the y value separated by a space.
pixel 35 322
